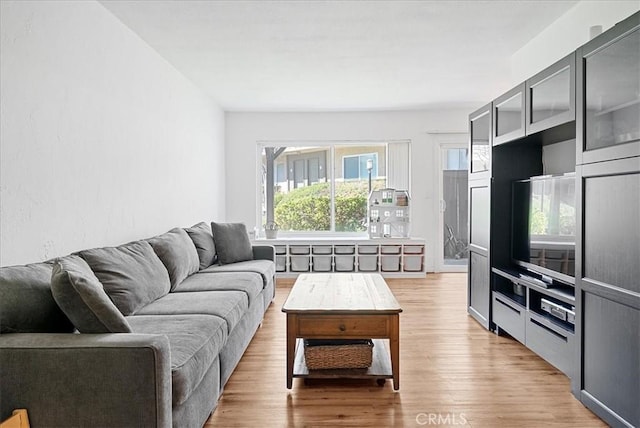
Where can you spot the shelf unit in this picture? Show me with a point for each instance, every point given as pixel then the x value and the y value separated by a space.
pixel 380 368
pixel 394 257
pixel 534 119
pixel 580 115
pixel 517 309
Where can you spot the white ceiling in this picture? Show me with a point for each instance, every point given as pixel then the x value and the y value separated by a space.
pixel 341 55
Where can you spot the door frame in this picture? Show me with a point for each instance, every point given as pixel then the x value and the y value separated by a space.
pixel 458 140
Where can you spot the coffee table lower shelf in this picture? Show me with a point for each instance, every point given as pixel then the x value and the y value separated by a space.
pixel 380 366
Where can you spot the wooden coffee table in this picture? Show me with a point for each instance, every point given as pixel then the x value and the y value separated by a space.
pixel 343 306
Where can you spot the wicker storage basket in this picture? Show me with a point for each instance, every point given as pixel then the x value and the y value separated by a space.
pixel 338 354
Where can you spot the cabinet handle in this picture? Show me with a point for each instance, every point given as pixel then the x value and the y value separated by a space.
pixel 341 327
pixel 508 306
pixel 544 327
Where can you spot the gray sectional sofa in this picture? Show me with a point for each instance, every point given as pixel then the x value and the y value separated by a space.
pixel 145 334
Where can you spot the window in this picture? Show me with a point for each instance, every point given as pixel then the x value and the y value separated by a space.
pixel 355 167
pixel 324 188
pixel 280 173
pixel 456 160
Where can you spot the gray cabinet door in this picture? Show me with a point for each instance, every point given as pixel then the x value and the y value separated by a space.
pixel 509 116
pixel 479 294
pixel 480 142
pixel 550 96
pixel 608 106
pixel 479 202
pixel 608 289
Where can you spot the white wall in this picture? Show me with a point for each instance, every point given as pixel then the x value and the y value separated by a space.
pixel 244 130
pixel 566 34
pixel 102 141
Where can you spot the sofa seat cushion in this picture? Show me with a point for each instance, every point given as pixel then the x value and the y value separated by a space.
pixel 178 254
pixel 26 302
pixel 228 305
pixel 266 268
pixel 195 342
pixel 247 282
pixel 132 274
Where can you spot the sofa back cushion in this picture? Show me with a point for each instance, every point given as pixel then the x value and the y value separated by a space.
pixel 232 242
pixel 202 238
pixel 26 302
pixel 83 299
pixel 132 274
pixel 178 254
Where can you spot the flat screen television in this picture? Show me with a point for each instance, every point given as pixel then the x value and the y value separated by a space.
pixel 543 235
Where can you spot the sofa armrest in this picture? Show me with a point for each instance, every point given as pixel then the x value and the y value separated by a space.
pixel 264 252
pixel 87 379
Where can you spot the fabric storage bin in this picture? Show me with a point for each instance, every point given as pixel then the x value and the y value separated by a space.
pixel 367 249
pixel 413 249
pixel 321 263
pixel 367 263
pixel 321 249
pixel 281 263
pixel 281 249
pixel 344 263
pixel 412 263
pixel 344 249
pixel 390 249
pixel 299 263
pixel 390 263
pixel 298 249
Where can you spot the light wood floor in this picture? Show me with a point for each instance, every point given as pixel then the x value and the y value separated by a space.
pixel 452 372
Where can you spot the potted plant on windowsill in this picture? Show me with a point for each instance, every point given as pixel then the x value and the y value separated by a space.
pixel 271 230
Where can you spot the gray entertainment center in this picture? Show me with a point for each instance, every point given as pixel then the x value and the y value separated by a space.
pixel 558 268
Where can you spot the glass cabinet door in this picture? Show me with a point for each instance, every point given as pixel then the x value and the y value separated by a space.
pixel 609 71
pixel 508 116
pixel 612 89
pixel 480 130
pixel 551 96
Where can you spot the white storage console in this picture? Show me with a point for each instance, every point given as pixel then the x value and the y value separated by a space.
pixel 393 257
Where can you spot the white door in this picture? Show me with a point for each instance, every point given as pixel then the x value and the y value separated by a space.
pixel 453 207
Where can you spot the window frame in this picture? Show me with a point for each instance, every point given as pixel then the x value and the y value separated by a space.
pixel 330 177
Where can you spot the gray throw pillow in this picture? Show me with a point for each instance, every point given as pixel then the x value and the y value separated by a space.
pixel 178 254
pixel 232 242
pixel 201 236
pixel 132 274
pixel 26 303
pixel 82 298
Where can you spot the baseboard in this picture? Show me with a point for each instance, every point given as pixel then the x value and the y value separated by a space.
pixel 602 411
